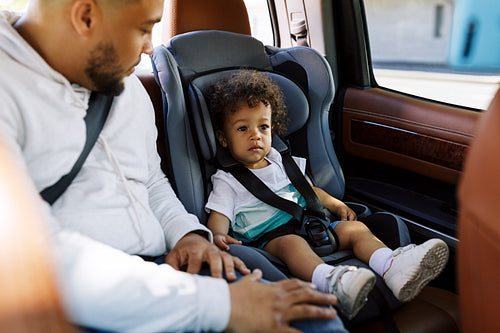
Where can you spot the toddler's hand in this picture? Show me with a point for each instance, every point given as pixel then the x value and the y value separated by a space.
pixel 222 241
pixel 345 213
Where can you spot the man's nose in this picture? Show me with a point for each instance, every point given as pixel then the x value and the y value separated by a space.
pixel 148 47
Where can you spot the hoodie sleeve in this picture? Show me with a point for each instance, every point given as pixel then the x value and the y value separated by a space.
pixel 176 222
pixel 105 288
pixel 174 219
pixel 108 289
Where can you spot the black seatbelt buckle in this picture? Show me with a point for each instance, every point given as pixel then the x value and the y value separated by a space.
pixel 317 232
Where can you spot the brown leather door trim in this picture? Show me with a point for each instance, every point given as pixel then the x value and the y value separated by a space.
pixel 409 143
pixel 423 137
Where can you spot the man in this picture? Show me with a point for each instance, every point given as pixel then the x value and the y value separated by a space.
pixel 120 203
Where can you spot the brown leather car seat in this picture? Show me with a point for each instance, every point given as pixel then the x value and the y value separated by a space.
pixel 479 229
pixel 192 15
pixel 29 300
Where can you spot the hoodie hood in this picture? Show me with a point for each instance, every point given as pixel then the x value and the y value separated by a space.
pixel 14 46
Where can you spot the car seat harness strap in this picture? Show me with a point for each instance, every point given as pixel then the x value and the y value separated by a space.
pixel 309 222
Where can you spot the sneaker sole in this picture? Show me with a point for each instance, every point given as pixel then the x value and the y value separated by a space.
pixel 431 265
pixel 362 296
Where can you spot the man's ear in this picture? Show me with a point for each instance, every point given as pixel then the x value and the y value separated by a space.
pixel 83 16
pixel 221 138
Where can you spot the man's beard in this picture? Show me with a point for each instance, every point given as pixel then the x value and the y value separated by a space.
pixel 104 71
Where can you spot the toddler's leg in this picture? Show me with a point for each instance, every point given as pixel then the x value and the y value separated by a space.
pixel 296 253
pixel 355 235
pixel 350 284
pixel 405 270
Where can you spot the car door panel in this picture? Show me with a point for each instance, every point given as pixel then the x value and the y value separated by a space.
pixel 405 154
pixel 416 135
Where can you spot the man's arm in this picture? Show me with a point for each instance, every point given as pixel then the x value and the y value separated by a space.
pixel 188 241
pixel 105 288
pixel 108 289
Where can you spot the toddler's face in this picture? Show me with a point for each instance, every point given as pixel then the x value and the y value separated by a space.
pixel 247 134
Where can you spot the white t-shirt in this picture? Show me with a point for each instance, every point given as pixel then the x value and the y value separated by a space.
pixel 250 217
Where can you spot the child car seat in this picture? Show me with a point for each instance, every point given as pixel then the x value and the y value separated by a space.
pixel 191 62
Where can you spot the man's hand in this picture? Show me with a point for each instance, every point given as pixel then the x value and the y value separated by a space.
pixel 270 307
pixel 192 250
pixel 222 241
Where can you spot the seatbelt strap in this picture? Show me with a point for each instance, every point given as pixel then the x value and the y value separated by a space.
pixel 310 222
pixel 260 190
pixel 313 205
pixel 97 112
pixel 315 230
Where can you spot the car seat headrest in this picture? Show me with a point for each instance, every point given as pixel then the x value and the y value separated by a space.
pixel 193 15
pixel 296 103
pixel 202 51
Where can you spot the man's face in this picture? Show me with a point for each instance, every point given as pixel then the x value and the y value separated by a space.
pixel 125 36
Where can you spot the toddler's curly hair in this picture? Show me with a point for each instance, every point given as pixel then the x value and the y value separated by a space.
pixel 251 87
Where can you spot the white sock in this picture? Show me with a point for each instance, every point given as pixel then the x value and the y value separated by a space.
pixel 319 277
pixel 380 261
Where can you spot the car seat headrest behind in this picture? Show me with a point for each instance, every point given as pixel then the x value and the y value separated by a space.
pixel 296 103
pixel 193 15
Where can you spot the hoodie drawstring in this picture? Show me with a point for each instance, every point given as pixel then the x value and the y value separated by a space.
pixel 132 198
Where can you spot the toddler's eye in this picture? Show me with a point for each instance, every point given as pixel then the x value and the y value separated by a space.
pixel 264 127
pixel 242 128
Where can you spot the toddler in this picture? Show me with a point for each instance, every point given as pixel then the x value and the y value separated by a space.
pixel 245 109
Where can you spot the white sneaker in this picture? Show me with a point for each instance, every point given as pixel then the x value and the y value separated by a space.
pixel 414 266
pixel 351 285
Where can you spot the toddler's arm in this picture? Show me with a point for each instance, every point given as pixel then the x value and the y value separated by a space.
pixel 335 205
pixel 219 225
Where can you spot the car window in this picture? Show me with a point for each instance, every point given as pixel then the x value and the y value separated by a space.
pixel 409 42
pixel 16 5
pixel 260 21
